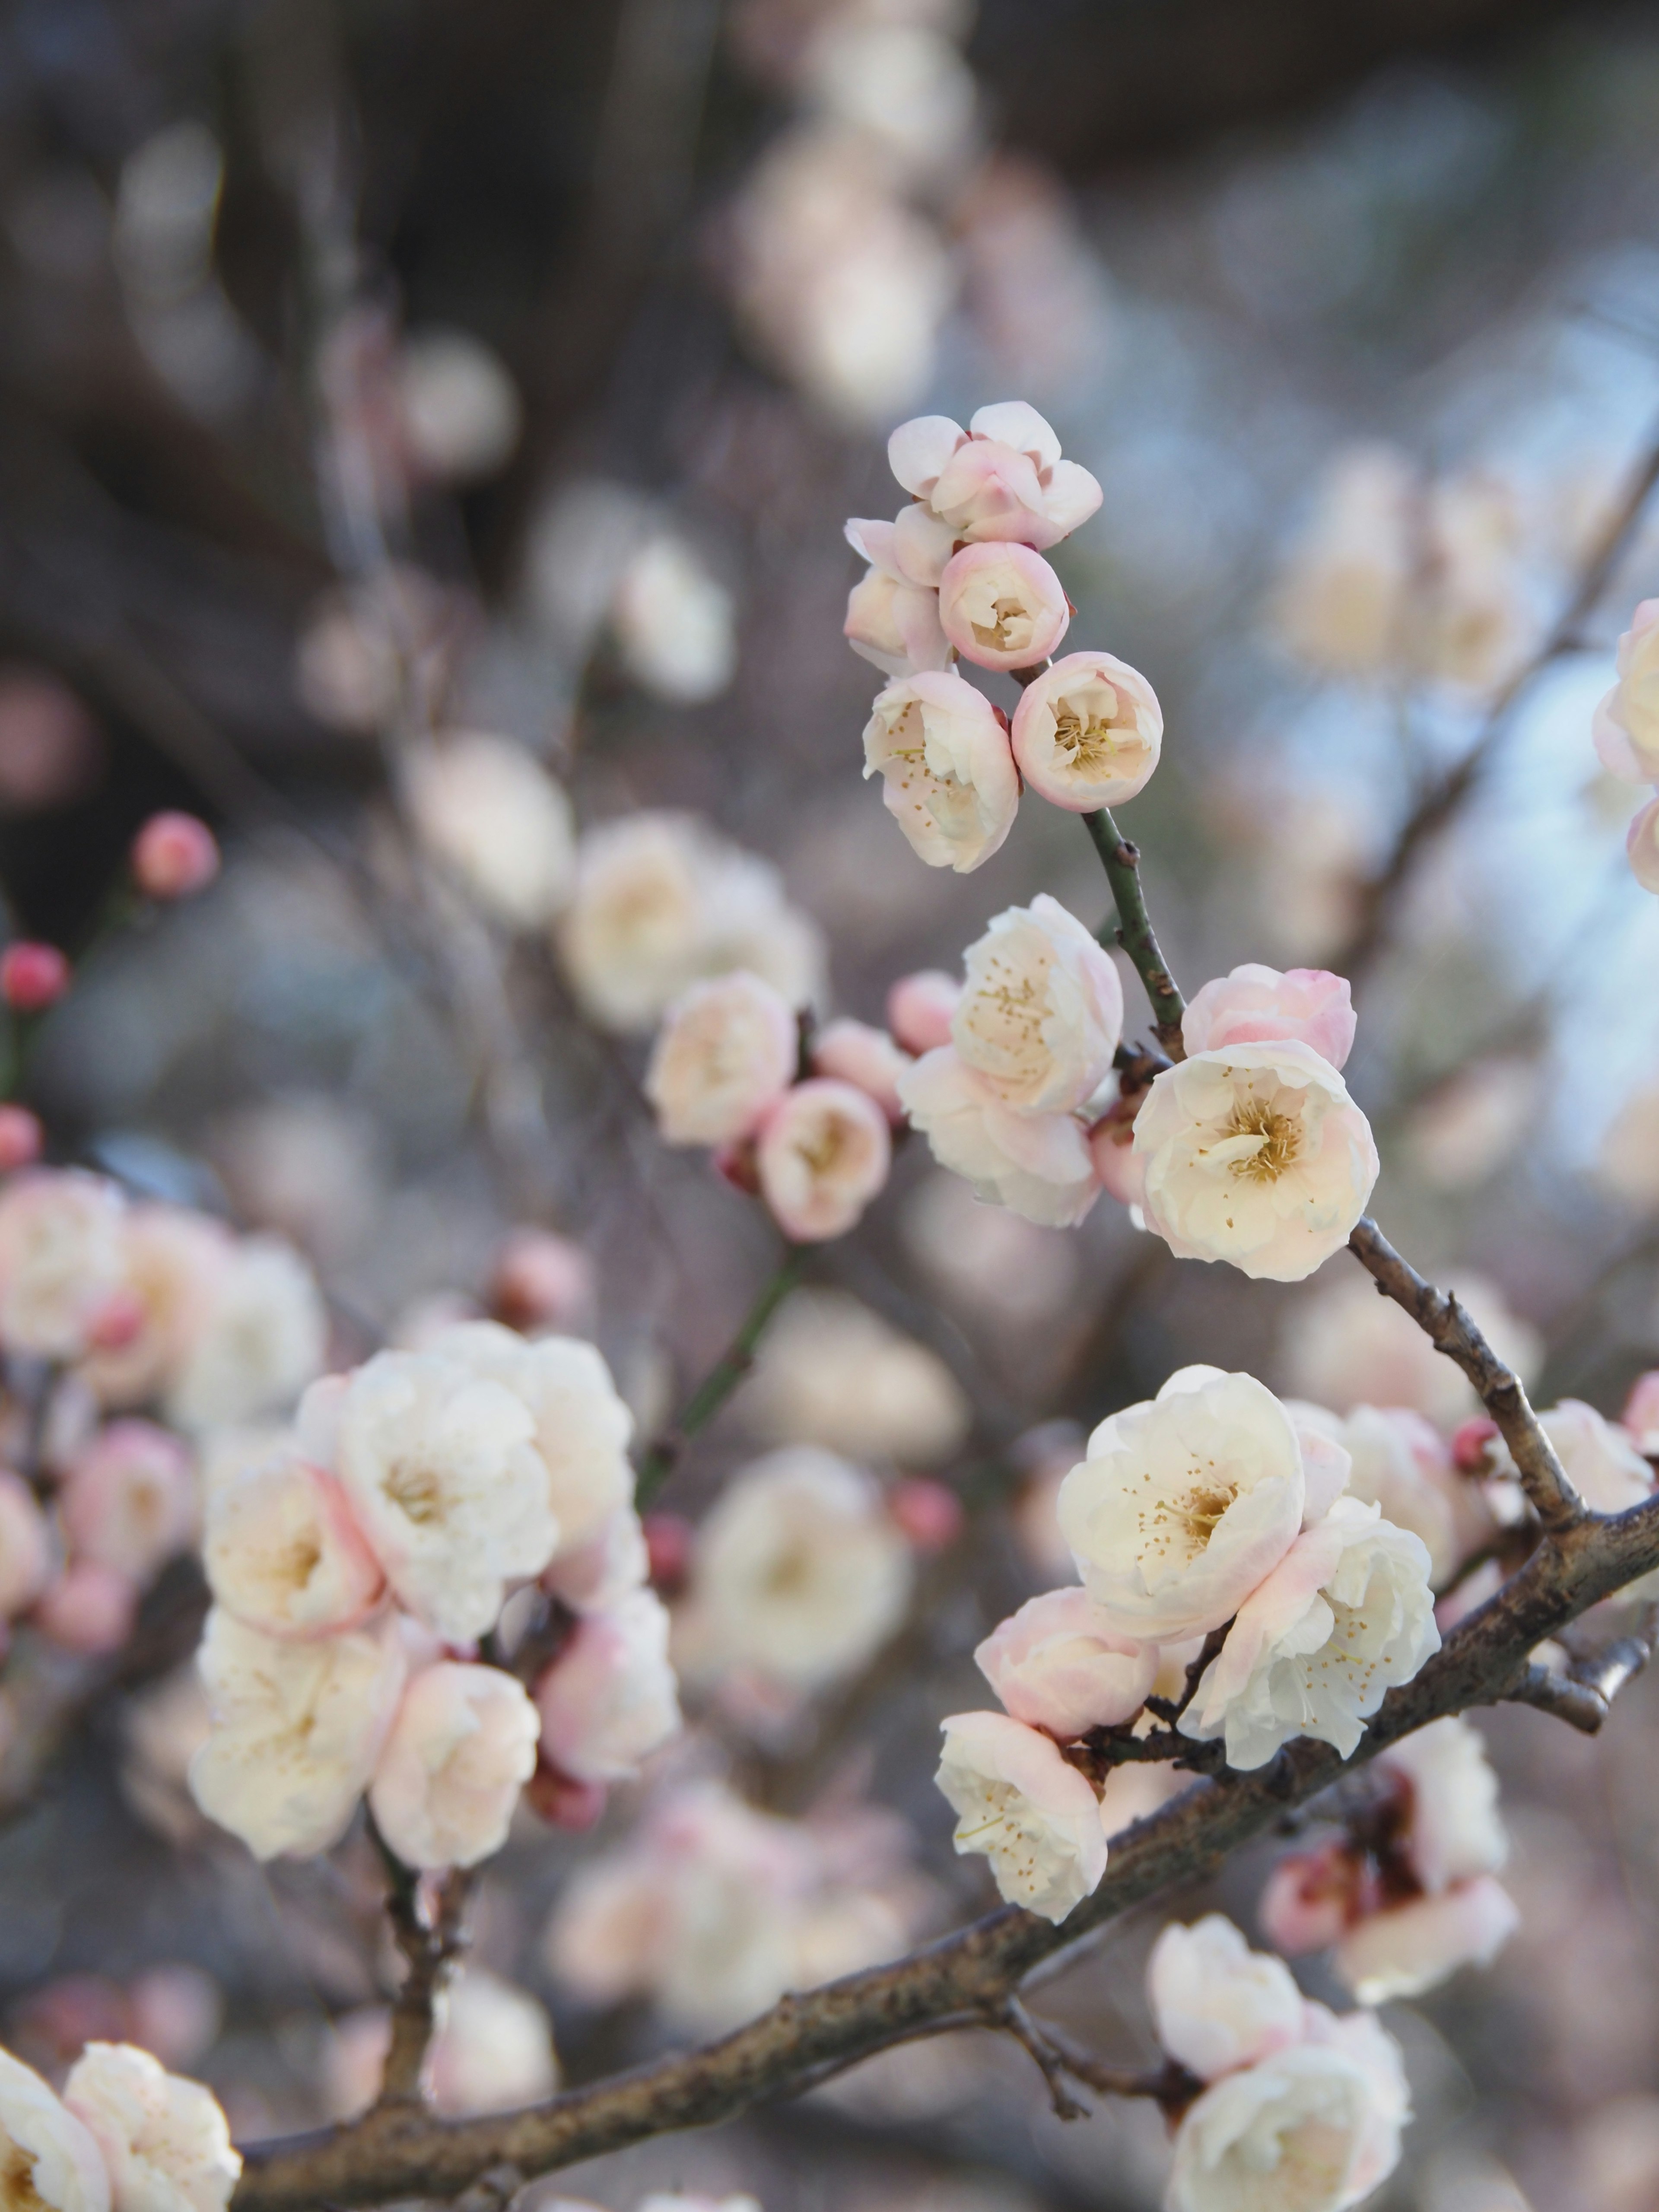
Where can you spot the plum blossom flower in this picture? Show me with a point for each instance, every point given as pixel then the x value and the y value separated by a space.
pixel 89 1608
pixel 831 1371
pixel 1400 1462
pixel 1416 1945
pixel 1057 1665
pixel 1003 478
pixel 461 1748
pixel 1627 726
pixel 1255 1005
pixel 599 1572
pixel 440 1468
pixel 263 1339
pixel 798 1571
pixel 26 1562
pixel 129 1500
pixel 1037 1164
pixel 1454 1830
pixel 725 1054
pixel 1184 1504
pixel 486 809
pixel 1088 731
pixel 921 1007
pixel 1600 1459
pixel 1217 2005
pixel 856 1053
pixel 1019 1805
pixel 582 1427
pixel 173 1262
pixel 610 1698
pixel 892 611
pixel 1002 605
pixel 48 2156
pixel 492 2049
pixel 1346 1615
pixel 823 1152
pixel 675 623
pixel 296 1730
pixel 283 1553
pixel 165 2141
pixel 1041 1010
pixel 60 1260
pixel 948 776
pixel 1256 1155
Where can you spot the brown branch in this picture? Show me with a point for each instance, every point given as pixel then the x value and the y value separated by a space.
pixel 1583 1695
pixel 430 1940
pixel 398 2152
pixel 1450 1328
pixel 1046 2056
pixel 1170 2086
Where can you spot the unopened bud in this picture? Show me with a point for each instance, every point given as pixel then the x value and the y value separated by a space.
pixel 21 1139
pixel 668 1542
pixel 1471 1445
pixel 927 1513
pixel 563 1803
pixel 32 976
pixel 173 856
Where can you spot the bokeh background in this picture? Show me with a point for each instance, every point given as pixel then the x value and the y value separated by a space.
pixel 1355 314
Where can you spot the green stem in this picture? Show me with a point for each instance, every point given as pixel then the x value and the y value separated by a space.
pixel 1121 861
pixel 721 1380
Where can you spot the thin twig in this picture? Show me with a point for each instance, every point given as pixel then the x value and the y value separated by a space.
pixel 429 1945
pixel 1013 2019
pixel 722 1378
pixel 1121 861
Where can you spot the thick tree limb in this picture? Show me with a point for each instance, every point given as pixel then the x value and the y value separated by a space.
pixel 399 2152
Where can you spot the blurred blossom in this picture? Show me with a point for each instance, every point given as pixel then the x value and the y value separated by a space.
pixel 1344 1347
pixel 304 1164
pixel 459 410
pixel 1627 1159
pixel 987 1260
pixel 167 206
pixel 262 1342
pixel 902 84
pixel 485 808
pixel 1471 1124
pixel 539 1281
pixel 52 750
pixel 1037 294
pixel 491 2051
pixel 675 623
pixel 362 645
pixel 1615 2153
pixel 832 1372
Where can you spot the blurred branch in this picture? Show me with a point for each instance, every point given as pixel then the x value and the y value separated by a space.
pixel 722 1378
pixel 430 1932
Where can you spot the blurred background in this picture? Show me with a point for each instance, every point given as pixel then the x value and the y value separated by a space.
pixel 542 351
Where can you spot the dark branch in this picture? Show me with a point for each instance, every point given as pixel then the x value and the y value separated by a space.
pixel 1121 861
pixel 722 1378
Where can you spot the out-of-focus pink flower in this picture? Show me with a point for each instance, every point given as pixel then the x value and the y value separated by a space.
pixel 50 749
pixel 174 856
pixel 1088 731
pixel 928 1512
pixel 129 1500
pixel 25 1550
pixel 462 1746
pixel 21 1139
pixel 61 1260
pixel 32 976
pixel 1057 1664
pixel 1002 605
pixel 1416 1946
pixel 1255 1005
pixel 725 1054
pixel 609 1700
pixel 1641 847
pixel 174 1261
pixel 601 1570
pixel 175 2012
pixel 541 1282
pixel 564 1802
pixel 948 776
pixel 855 1053
pixel 1472 1445
pixel 89 1608
pixel 823 1152
pixel 1641 1414
pixel 670 1540
pixel 1311 1898
pixel 284 1553
pixel 921 1008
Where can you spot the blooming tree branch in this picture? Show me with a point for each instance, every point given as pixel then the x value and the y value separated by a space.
pixel 1121 861
pixel 722 1378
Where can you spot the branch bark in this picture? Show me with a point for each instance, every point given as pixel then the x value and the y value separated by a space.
pixel 1121 861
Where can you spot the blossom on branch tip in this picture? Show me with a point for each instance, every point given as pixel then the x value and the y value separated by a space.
pixel 1001 478
pixel 1037 1164
pixel 1059 1665
pixel 462 1746
pixel 47 2154
pixel 1042 1009
pixel 948 776
pixel 610 1699
pixel 823 1153
pixel 284 1553
pixel 1217 2005
pixel 1021 1806
pixel 164 2140
pixel 1185 1504
pixel 1255 1005
pixel 725 1053
pixel 1002 605
pixel 1255 1155
pixel 1346 1615
pixel 1087 732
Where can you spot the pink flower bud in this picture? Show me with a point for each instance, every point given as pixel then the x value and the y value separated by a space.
pixel 1057 1665
pixel 1310 1899
pixel 739 1166
pixel 32 976
pixel 1641 1415
pixel 21 1139
pixel 89 1608
pixel 669 1538
pixel 1258 1006
pixel 128 1501
pixel 119 1321
pixel 929 1513
pixel 174 856
pixel 867 1058
pixel 1120 1169
pixel 919 1008
pixel 1641 847
pixel 1002 605
pixel 574 1806
pixel 541 1282
pixel 823 1154
pixel 1471 1444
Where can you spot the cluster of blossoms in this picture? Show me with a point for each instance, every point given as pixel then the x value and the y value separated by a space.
pixel 1280 2100
pixel 357 1567
pixel 1627 733
pixel 1202 1511
pixel 125 2137
pixel 714 1910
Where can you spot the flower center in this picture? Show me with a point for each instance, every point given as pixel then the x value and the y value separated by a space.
pixel 1089 742
pixel 17 2191
pixel 417 1492
pixel 1282 1140
pixel 1009 628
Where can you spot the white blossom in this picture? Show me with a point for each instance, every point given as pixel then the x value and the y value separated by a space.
pixel 462 1746
pixel 1454 1829
pixel 1057 1665
pixel 1401 1464
pixel 1313 1651
pixel 47 2155
pixel 823 1151
pixel 265 1338
pixel 488 810
pixel 165 2140
pixel 1002 605
pixel 1019 1805
pixel 1217 2005
pixel 948 773
pixel 892 611
pixel 1600 1458
pixel 1087 732
pixel 675 623
pixel 725 1053
pixel 831 1371
pixel 296 1731
pixel 1416 1945
pixel 1255 1155
pixel 458 410
pixel 492 2047
pixel 60 1260
pixel 172 1263
pixel 1185 1504
pixel 610 1698
pixel 283 1553
pixel 1041 1012
pixel 1001 478
pixel 1037 1164
pixel 1345 1346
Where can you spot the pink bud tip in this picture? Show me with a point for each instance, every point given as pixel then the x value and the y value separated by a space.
pixel 919 1007
pixel 738 1163
pixel 117 1321
pixel 540 1281
pixel 32 976
pixel 21 1139
pixel 1470 1442
pixel 668 1540
pixel 563 1803
pixel 928 1514
pixel 174 856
